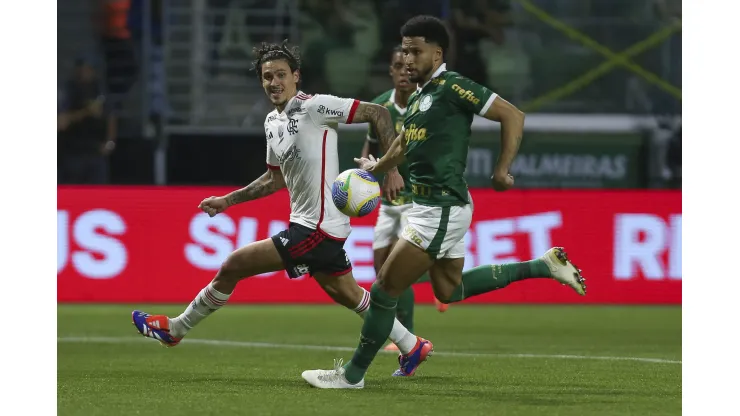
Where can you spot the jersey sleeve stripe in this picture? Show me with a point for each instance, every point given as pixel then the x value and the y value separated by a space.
pixel 352 110
pixel 273 167
pixel 488 104
pixel 323 176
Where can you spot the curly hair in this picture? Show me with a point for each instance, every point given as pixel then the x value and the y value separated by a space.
pixel 430 28
pixel 271 51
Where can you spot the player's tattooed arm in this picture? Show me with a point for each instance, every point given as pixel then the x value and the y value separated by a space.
pixel 380 119
pixel 512 131
pixel 267 184
pixel 393 157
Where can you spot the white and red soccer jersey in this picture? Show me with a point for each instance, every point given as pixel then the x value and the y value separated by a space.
pixel 302 143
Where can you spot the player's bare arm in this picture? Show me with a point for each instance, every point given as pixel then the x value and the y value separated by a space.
pixel 267 184
pixel 387 163
pixel 380 119
pixel 512 131
pixel 392 158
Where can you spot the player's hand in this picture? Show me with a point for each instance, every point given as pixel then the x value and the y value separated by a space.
pixel 366 163
pixel 392 184
pixel 502 181
pixel 213 205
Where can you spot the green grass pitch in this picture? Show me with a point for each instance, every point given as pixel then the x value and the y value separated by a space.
pixel 489 360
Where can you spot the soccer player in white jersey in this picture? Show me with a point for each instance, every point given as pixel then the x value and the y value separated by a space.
pixel 301 156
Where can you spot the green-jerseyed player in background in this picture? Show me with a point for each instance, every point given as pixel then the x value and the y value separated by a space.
pixel 434 143
pixel 392 216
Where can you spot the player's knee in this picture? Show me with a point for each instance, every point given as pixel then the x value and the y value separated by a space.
pixel 232 268
pixel 387 286
pixel 444 295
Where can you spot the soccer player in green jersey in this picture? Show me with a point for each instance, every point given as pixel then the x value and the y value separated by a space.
pixel 392 215
pixel 434 143
pixel 301 154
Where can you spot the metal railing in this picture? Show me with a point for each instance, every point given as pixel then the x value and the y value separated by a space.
pixel 602 56
pixel 208 58
pixel 613 59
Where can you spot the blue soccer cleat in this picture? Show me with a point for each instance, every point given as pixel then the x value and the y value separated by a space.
pixel 155 327
pixel 411 361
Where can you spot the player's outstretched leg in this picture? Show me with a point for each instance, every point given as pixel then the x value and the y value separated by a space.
pixel 554 264
pixel 404 266
pixel 253 259
pixel 345 291
pixel 389 221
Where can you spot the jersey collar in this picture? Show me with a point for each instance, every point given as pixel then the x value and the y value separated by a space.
pixel 442 68
pixel 290 102
pixel 400 110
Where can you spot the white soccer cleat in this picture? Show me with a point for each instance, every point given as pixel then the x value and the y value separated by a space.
pixel 331 379
pixel 563 270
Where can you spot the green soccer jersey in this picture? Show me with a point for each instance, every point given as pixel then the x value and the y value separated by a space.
pixel 387 99
pixel 437 133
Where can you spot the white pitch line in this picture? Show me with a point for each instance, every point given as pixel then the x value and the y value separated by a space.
pixel 244 344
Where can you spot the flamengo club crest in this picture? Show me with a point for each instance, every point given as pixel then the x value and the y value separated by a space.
pixel 425 102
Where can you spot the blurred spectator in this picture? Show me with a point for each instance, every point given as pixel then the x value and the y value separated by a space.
pixel 118 48
pixel 320 31
pixel 339 39
pixel 150 48
pixel 664 150
pixel 665 134
pixel 86 135
pixel 473 21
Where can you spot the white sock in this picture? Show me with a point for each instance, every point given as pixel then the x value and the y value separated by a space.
pixel 364 304
pixel 209 300
pixel 404 340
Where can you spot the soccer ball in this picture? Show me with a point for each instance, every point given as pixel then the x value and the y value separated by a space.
pixel 355 192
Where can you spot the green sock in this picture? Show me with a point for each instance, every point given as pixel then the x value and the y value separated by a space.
pixel 405 310
pixel 483 279
pixel 375 331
